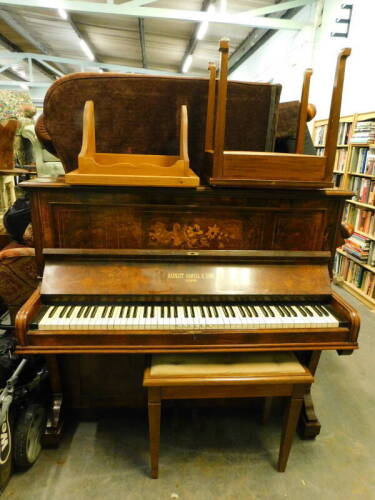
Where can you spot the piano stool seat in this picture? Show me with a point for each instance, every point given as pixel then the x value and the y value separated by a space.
pixel 226 375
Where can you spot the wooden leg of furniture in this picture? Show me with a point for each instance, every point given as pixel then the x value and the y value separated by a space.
pixel 266 410
pixel 289 428
pixel 309 425
pixel 154 410
pixel 54 426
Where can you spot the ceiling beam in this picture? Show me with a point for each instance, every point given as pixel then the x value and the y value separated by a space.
pixel 277 7
pixel 141 29
pixel 134 9
pixel 81 63
pixel 50 72
pixel 255 39
pixel 16 23
pixel 192 43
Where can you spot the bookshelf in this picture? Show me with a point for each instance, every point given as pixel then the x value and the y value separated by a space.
pixel 354 267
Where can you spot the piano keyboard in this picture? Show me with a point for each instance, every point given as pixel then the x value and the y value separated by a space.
pixel 193 316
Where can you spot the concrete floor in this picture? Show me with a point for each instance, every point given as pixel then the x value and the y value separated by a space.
pixel 210 454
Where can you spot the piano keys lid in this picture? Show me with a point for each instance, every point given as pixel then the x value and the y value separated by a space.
pixel 158 274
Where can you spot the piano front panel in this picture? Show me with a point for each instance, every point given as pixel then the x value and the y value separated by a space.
pixel 204 218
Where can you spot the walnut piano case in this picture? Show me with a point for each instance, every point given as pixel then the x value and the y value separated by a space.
pixel 253 168
pixel 131 169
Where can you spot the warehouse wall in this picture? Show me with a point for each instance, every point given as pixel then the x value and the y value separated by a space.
pixel 285 56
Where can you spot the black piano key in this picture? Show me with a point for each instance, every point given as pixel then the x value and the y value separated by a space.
pixel 286 311
pixel 145 311
pixel 168 308
pixel 152 312
pixel 272 314
pixel 292 311
pixel 93 312
pixel 317 310
pixel 302 311
pixel 123 311
pixel 128 312
pixel 63 311
pixel 52 311
pixel 69 313
pixel 254 311
pixel 242 311
pixel 203 314
pixel 175 313
pixel 104 312
pixel 216 312
pixel 161 311
pixel 192 311
pixel 324 311
pixel 226 313
pixel 86 312
pixel 135 312
pixel 81 311
pixel 231 311
pixel 247 310
pixel 208 311
pixel 308 310
pixel 264 310
pixel 281 312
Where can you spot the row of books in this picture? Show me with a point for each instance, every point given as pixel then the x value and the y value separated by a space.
pixel 364 132
pixel 344 134
pixel 362 220
pixel 355 274
pixel 360 247
pixel 341 154
pixel 345 129
pixel 363 161
pixel 364 189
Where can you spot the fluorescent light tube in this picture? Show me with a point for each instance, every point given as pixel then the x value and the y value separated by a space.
pixel 63 14
pixel 187 63
pixel 86 49
pixel 202 30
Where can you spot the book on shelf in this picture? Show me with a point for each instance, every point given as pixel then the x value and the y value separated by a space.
pixel 363 161
pixel 364 189
pixel 358 246
pixel 355 274
pixel 364 132
pixel 362 220
pixel 320 135
pixel 344 133
pixel 340 160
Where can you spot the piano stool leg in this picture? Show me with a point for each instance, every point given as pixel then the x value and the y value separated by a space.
pixel 54 426
pixel 291 416
pixel 154 410
pixel 309 425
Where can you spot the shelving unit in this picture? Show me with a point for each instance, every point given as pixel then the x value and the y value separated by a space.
pixel 355 170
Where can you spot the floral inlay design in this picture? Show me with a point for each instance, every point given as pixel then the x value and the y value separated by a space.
pixel 195 235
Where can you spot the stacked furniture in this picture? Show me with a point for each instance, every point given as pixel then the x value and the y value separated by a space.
pixel 149 267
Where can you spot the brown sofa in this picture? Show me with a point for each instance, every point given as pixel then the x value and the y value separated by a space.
pixel 139 114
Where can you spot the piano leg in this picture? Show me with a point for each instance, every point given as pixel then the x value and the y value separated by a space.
pixel 54 426
pixel 309 425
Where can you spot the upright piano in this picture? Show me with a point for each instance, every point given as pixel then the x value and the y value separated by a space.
pixel 133 270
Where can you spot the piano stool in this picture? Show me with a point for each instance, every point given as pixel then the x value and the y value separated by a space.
pixel 226 375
